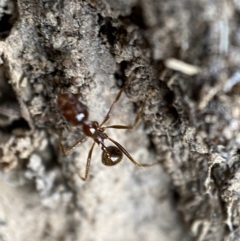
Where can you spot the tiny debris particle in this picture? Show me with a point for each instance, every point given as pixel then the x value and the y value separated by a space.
pixel 35 162
pixel 233 80
pixel 183 67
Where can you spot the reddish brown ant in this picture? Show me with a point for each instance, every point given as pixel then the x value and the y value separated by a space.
pixel 76 114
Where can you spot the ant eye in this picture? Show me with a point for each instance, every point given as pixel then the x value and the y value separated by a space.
pixel 111 156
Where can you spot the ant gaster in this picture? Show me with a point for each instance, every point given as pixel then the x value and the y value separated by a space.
pixel 76 113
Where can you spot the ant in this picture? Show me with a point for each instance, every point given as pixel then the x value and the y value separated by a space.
pixel 76 113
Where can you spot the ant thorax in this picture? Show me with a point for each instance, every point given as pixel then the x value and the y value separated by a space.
pixel 93 130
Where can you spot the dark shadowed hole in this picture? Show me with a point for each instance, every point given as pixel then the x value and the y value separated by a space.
pixel 8 19
pixel 176 196
pixel 1 152
pixel 18 127
pixel 120 74
pixel 169 97
pixel 108 30
pixel 5 24
pixel 20 123
pixel 136 17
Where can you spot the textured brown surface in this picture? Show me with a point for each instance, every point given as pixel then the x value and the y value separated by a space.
pixel 190 123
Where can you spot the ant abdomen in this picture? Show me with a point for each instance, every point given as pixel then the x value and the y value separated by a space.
pixel 74 111
pixel 111 156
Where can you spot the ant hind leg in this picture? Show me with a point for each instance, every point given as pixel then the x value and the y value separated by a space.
pixel 125 152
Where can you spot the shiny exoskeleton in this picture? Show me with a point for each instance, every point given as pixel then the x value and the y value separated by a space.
pixel 76 113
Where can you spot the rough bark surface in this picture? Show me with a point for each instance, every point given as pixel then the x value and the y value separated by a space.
pixel 186 54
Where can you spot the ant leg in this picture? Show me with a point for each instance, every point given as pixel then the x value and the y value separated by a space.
pixel 88 163
pixel 129 126
pixel 125 152
pixel 115 101
pixel 139 114
pixel 66 150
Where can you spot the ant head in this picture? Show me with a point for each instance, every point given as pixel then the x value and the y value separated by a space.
pixel 111 156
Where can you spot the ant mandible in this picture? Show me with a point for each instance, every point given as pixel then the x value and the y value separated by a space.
pixel 76 113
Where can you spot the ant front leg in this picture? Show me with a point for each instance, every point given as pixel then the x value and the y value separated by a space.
pixel 139 114
pixel 115 101
pixel 66 150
